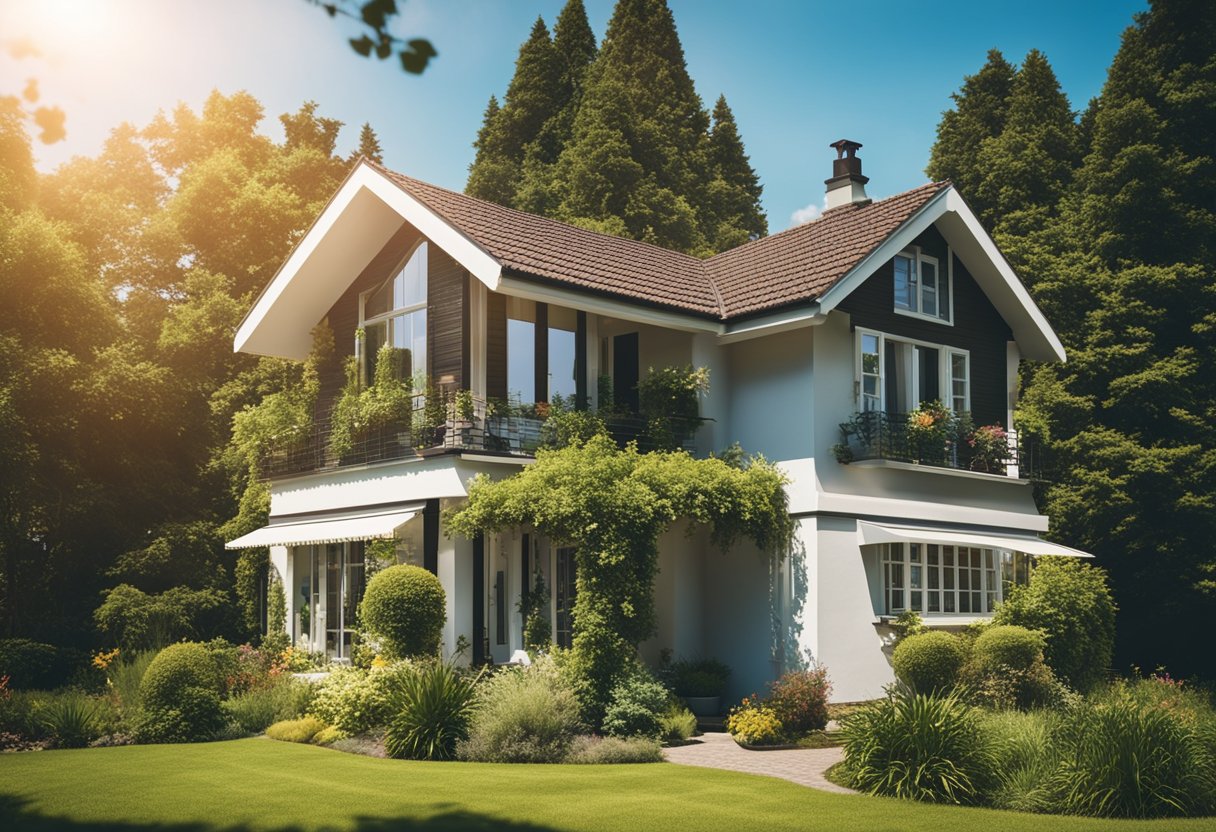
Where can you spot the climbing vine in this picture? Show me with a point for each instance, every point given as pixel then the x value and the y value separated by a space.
pixel 612 505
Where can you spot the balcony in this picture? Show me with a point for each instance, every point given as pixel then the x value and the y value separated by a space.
pixel 459 423
pixel 938 439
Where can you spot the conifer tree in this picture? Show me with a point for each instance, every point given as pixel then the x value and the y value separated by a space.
pixel 491 176
pixel 733 213
pixel 369 145
pixel 979 113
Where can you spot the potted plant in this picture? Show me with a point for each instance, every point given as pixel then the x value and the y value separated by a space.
pixel 989 449
pixel 700 683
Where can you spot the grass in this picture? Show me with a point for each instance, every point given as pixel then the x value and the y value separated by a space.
pixel 259 784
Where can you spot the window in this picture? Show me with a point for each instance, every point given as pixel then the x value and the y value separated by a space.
pixel 896 375
pixel 921 288
pixel 934 579
pixel 395 313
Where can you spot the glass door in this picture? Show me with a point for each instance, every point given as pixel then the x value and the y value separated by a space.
pixel 566 590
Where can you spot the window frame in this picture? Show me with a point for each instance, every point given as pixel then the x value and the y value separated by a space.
pixel 945 369
pixel 996 573
pixel 386 317
pixel 917 255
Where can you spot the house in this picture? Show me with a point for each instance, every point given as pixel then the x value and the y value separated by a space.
pixel 854 319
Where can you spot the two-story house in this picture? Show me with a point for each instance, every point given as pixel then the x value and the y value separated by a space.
pixel 856 318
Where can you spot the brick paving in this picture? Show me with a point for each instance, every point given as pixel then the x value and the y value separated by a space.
pixel 804 766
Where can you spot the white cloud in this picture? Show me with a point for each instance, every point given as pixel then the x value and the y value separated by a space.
pixel 805 214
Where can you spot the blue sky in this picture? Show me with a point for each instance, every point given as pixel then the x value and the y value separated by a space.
pixel 797 74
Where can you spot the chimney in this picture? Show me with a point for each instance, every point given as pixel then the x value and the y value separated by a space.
pixel 847 185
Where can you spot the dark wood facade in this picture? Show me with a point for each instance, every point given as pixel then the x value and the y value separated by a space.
pixel 978 327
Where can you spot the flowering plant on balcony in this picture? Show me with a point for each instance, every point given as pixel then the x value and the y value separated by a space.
pixel 989 449
pixel 929 427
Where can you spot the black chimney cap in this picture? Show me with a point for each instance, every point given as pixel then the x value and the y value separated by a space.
pixel 844 146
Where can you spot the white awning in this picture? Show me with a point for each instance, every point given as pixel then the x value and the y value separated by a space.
pixel 871 533
pixel 328 528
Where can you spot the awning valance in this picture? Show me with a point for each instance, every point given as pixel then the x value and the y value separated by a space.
pixel 328 528
pixel 871 533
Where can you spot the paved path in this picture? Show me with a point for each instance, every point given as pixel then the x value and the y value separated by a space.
pixel 804 766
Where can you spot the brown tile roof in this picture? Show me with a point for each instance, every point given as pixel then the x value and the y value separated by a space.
pixel 795 265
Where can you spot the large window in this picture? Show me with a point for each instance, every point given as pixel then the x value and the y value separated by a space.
pixel 937 579
pixel 896 375
pixel 395 313
pixel 921 287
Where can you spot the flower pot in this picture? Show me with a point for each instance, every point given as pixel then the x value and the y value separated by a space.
pixel 704 705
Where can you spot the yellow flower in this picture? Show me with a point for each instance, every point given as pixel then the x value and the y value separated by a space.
pixel 379 662
pixel 102 660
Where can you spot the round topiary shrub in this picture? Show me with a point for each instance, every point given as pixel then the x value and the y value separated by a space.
pixel 403 607
pixel 181 695
pixel 1008 646
pixel 929 662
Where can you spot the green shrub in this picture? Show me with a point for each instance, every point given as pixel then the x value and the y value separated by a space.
pixel 296 730
pixel 524 715
pixel 929 662
pixel 1071 603
pixel 1029 756
pixel 753 722
pixel 588 750
pixel 31 665
pixel 72 720
pixel 404 607
pixel 328 736
pixel 257 708
pixel 125 676
pixel 180 694
pixel 1006 669
pixel 133 619
pixel 699 677
pixel 1124 759
pixel 800 700
pixel 432 709
pixel 918 746
pixel 358 701
pixel 677 725
pixel 636 707
pixel 1008 647
pixel 196 715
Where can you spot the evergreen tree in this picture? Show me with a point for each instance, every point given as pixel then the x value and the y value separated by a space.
pixel 979 113
pixel 1129 417
pixel 732 213
pixel 369 145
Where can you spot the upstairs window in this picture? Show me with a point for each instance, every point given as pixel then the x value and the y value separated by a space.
pixel 898 375
pixel 921 287
pixel 395 313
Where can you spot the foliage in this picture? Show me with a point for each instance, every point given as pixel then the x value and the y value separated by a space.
pixel 590 750
pixel 30 664
pixel 304 729
pixel 1123 759
pixel 924 747
pixel 404 607
pixel 194 716
pixel 1025 743
pixel 358 701
pixel 533 606
pixel 1070 602
pixel 125 676
pixel 276 638
pixel 376 16
pixel 1006 669
pixel 989 449
pixel 432 712
pixel 636 707
pixel 72 720
pixel 907 623
pixel 611 505
pixel 136 620
pixel 929 661
pixel 180 695
pixel 799 698
pixel 670 400
pixel 524 715
pixel 257 708
pixel 250 574
pixel 677 724
pixel 752 722
pixel 699 677
pixel 361 410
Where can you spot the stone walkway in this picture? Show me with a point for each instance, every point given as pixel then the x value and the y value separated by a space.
pixel 804 766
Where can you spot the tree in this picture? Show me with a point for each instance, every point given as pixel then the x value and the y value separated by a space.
pixel 733 214
pixel 369 146
pixel 612 505
pixel 980 107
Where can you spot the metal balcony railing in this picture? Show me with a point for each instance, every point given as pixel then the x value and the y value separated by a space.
pixel 946 442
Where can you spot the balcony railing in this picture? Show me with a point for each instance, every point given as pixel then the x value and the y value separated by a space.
pixel 467 425
pixel 949 441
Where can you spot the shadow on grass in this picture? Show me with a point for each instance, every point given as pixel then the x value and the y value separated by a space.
pixel 17 815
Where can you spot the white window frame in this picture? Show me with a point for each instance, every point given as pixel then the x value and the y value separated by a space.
pixel 945 370
pixel 384 317
pixel 992 580
pixel 919 258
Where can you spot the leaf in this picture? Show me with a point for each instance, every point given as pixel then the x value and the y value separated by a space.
pixel 330 9
pixel 363 45
pixel 415 58
pixel 375 13
pixel 384 48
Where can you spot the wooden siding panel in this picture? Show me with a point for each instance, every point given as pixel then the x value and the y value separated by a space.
pixel 445 318
pixel 978 327
pixel 496 346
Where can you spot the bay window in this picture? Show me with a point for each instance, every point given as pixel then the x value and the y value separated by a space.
pixel 922 288
pixel 940 579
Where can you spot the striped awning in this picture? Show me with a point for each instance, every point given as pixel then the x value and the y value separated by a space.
pixel 871 533
pixel 328 528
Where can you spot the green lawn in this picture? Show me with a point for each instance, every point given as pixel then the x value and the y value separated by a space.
pixel 262 784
